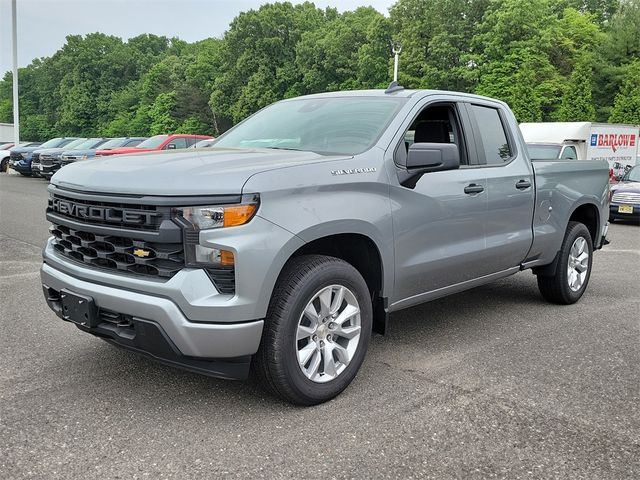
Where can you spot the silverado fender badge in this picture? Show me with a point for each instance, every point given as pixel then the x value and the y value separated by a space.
pixel 352 171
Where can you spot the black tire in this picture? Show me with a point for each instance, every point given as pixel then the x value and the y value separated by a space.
pixel 4 165
pixel 276 363
pixel 555 288
pixel 25 174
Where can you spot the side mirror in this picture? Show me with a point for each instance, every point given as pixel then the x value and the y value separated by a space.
pixel 171 146
pixel 433 157
pixel 426 158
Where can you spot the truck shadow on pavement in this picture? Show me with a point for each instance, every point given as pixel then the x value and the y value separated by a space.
pixel 449 323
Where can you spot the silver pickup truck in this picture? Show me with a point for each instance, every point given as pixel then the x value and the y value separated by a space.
pixel 284 246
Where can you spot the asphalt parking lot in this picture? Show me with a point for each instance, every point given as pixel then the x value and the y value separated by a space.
pixel 489 383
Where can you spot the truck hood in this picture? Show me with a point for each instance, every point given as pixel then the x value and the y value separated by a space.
pixel 187 172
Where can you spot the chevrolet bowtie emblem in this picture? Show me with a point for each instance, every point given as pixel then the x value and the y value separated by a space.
pixel 139 252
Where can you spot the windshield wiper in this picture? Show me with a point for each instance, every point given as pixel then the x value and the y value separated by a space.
pixel 286 148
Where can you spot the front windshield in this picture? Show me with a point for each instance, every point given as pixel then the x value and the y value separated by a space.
pixel 153 142
pixel 543 151
pixel 73 144
pixel 54 142
pixel 113 143
pixel 330 125
pixel 633 175
pixel 83 144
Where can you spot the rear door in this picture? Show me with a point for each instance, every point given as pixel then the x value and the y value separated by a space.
pixel 510 186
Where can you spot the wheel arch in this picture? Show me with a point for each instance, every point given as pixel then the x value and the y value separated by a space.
pixel 359 250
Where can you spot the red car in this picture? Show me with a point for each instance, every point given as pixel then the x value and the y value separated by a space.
pixel 159 142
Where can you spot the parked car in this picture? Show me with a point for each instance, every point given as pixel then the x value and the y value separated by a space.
pixel 625 197
pixel 20 158
pixel 204 143
pixel 5 153
pixel 49 155
pixel 158 142
pixel 51 163
pixel 4 156
pixel 74 156
pixel 317 217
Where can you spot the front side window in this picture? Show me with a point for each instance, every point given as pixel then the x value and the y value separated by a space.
pixel 326 125
pixel 434 124
pixel 569 153
pixel 493 137
pixel 178 142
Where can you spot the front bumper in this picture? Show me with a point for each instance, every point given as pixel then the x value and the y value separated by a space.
pixel 155 325
pixel 22 166
pixel 614 212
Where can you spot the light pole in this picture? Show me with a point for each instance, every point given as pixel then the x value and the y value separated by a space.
pixel 16 116
pixel 396 48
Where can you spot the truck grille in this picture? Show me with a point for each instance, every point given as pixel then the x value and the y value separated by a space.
pixel 116 253
pixel 626 197
pixel 46 161
pixel 122 215
pixel 126 235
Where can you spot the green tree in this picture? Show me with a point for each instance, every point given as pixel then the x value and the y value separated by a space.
pixel 626 108
pixel 350 51
pixel 577 101
pixel 258 57
pixel 436 39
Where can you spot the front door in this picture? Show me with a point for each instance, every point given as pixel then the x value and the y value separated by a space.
pixel 439 224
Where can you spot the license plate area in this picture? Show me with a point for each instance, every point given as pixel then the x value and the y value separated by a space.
pixel 625 209
pixel 79 309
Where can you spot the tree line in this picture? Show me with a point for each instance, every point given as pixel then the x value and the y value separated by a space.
pixel 551 60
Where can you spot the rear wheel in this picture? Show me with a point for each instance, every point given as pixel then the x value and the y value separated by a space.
pixel 316 332
pixel 573 271
pixel 4 164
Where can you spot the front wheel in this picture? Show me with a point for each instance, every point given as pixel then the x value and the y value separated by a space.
pixel 573 271
pixel 316 332
pixel 4 165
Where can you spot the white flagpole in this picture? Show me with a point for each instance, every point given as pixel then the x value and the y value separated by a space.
pixel 16 115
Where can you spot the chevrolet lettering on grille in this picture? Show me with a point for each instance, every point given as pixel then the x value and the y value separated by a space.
pixel 104 214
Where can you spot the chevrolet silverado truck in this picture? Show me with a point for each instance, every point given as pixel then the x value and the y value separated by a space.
pixel 280 249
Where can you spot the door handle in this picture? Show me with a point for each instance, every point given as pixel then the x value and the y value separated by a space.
pixel 523 184
pixel 473 188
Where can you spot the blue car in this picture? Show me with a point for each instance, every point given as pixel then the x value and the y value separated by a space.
pixel 20 158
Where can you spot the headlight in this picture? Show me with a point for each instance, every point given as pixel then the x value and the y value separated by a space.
pixel 194 219
pixel 219 216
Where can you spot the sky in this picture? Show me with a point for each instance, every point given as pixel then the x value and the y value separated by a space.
pixel 44 24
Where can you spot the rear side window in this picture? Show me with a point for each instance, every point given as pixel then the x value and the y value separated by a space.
pixel 492 135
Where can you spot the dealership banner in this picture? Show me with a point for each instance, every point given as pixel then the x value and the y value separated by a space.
pixel 617 144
